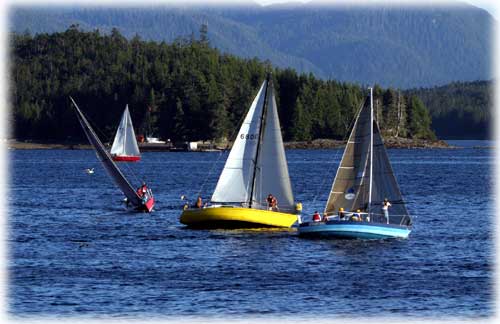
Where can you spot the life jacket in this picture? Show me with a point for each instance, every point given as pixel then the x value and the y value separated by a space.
pixel 316 217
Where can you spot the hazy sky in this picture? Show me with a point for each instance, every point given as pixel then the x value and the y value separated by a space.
pixel 489 5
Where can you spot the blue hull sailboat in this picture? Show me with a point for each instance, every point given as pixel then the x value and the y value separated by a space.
pixel 365 201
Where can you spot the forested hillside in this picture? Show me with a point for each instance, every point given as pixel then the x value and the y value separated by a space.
pixel 396 46
pixel 460 110
pixel 191 91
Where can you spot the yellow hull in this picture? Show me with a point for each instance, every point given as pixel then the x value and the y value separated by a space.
pixel 235 217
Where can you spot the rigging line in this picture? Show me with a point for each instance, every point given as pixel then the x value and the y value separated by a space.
pixel 346 138
pixel 233 134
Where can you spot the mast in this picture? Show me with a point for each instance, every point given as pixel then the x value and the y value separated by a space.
pixel 125 129
pixel 371 153
pixel 259 142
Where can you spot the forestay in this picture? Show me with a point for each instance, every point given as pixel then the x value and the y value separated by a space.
pixel 125 143
pixel 234 185
pixel 272 170
pixel 106 160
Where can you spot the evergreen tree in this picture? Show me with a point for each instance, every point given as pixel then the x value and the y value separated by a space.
pixel 186 90
pixel 419 120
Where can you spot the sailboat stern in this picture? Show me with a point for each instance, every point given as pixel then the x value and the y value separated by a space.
pixel 235 217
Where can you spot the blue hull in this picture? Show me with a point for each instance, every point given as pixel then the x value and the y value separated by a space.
pixel 354 230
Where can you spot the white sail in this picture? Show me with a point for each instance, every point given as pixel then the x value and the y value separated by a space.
pixel 125 143
pixel 235 182
pixel 106 160
pixel 272 170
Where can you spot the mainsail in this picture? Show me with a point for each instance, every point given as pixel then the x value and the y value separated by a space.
pixel 125 143
pixel 351 188
pixel 272 169
pixel 106 160
pixel 234 185
pixel 257 165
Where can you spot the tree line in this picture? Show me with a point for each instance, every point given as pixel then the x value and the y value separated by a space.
pixel 184 90
pixel 459 110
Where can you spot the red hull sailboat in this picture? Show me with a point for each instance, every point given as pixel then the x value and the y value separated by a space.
pixel 125 148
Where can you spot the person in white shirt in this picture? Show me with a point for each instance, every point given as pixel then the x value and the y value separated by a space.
pixel 385 209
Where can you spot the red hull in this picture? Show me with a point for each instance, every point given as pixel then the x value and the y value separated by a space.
pixel 148 206
pixel 123 158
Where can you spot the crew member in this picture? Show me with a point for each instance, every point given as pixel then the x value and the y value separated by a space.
pixel 341 213
pixel 385 209
pixel 199 202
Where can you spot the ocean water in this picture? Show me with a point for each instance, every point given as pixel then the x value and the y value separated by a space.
pixel 75 251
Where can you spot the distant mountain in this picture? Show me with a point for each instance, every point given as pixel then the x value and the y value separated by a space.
pixel 460 110
pixel 401 47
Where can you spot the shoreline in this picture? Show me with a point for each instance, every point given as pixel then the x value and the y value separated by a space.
pixel 390 143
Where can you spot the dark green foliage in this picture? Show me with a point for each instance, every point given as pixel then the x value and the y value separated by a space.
pixel 180 91
pixel 460 110
pixel 419 121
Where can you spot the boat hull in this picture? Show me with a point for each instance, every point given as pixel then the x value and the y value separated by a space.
pixel 148 206
pixel 353 230
pixel 126 158
pixel 235 217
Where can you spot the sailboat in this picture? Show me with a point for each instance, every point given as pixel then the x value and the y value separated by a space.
pixel 256 167
pixel 125 146
pixel 363 182
pixel 142 200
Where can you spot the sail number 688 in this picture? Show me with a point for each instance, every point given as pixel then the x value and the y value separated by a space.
pixel 248 136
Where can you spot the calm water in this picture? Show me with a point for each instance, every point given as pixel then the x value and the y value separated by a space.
pixel 75 251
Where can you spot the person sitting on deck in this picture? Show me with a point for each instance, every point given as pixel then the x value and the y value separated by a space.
pixel 325 217
pixel 341 213
pixel 316 217
pixel 356 216
pixel 199 202
pixel 269 202
pixel 272 203
pixel 141 191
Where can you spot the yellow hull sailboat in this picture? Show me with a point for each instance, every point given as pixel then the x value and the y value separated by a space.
pixel 255 169
pixel 235 217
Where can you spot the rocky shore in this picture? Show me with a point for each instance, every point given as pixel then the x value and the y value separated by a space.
pixel 315 144
pixel 389 143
